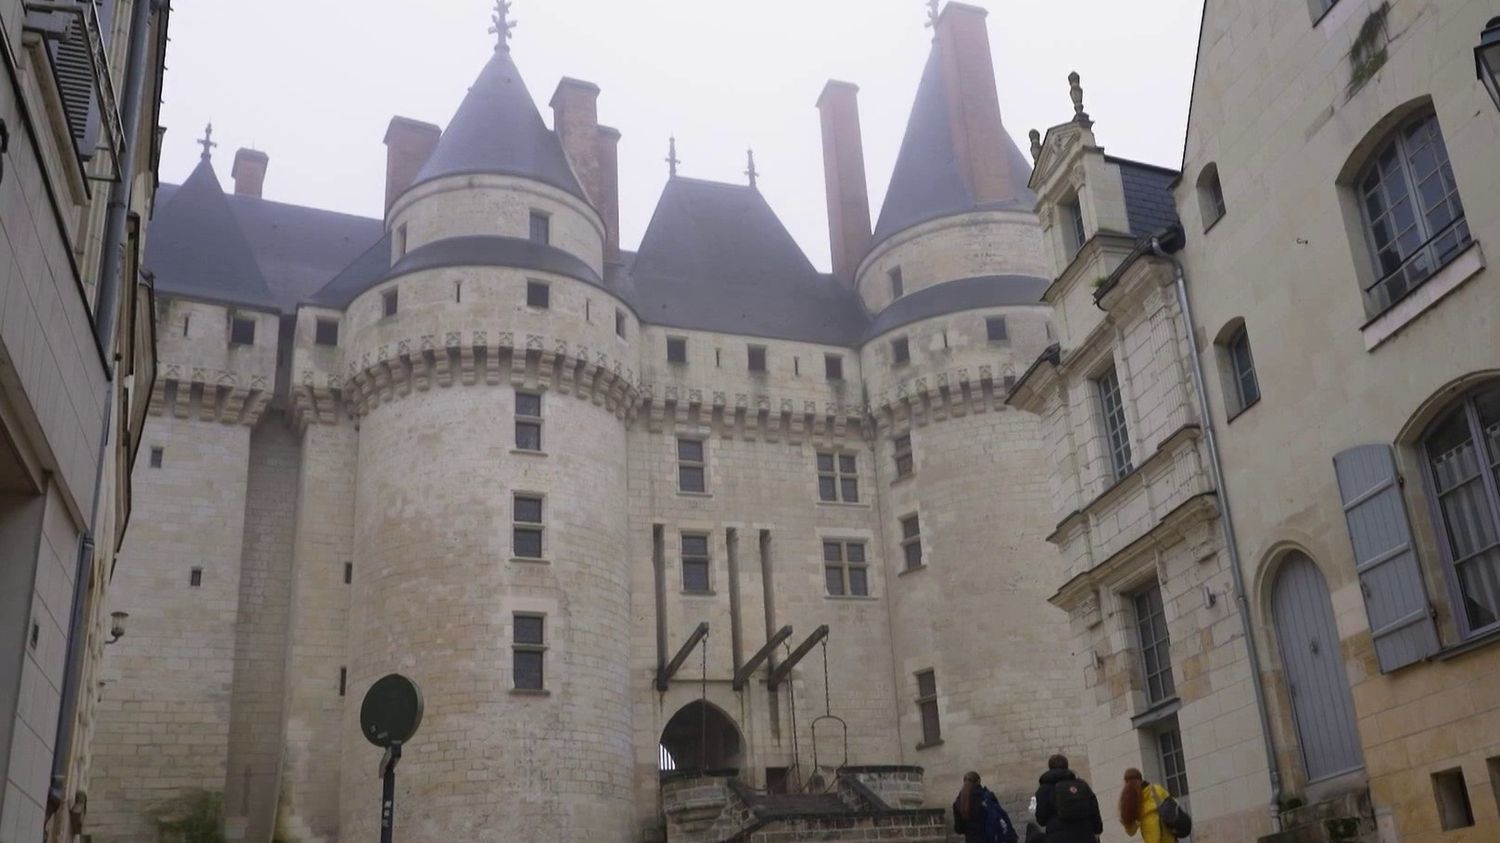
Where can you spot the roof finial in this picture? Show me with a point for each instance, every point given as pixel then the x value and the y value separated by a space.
pixel 671 159
pixel 1036 144
pixel 1075 90
pixel 208 142
pixel 751 172
pixel 501 25
pixel 932 15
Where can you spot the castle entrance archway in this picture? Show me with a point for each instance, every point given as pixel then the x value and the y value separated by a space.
pixel 700 736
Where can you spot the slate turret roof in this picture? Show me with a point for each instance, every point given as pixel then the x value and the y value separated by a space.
pixel 197 249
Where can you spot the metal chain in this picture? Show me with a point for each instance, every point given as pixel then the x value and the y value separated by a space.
pixel 827 698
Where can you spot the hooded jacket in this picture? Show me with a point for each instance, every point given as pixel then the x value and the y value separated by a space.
pixel 1058 829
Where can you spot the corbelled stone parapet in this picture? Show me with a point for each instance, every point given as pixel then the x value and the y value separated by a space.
pixel 212 394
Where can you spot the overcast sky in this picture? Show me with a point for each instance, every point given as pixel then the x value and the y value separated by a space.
pixel 313 83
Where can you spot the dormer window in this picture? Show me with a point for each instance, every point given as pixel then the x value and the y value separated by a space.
pixel 898 288
pixel 1072 216
pixel 242 331
pixel 541 228
pixel 327 332
pixel 388 302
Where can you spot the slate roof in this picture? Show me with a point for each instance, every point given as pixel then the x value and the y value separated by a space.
pixel 926 182
pixel 953 296
pixel 1148 196
pixel 497 129
pixel 198 250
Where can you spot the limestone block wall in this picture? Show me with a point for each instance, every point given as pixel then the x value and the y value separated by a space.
pixel 950 248
pixel 950 357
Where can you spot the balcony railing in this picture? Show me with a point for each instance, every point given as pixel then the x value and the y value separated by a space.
pixel 1421 264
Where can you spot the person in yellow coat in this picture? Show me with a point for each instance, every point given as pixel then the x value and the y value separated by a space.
pixel 1139 801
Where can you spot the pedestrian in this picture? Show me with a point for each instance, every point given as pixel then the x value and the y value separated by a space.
pixel 1140 803
pixel 978 816
pixel 1066 807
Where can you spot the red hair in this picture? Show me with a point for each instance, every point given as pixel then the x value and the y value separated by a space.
pixel 1130 797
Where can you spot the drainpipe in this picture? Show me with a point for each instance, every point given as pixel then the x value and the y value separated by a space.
pixel 1174 242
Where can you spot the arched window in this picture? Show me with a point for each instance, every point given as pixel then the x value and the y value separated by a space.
pixel 1237 368
pixel 1462 452
pixel 1413 218
pixel 1210 196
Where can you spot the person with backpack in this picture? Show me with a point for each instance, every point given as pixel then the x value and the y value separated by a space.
pixel 978 816
pixel 1066 807
pixel 1149 809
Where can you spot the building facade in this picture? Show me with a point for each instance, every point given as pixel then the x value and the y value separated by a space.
pixel 78 124
pixel 477 443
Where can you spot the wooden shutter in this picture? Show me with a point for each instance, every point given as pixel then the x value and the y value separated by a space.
pixel 1389 574
pixel 73 65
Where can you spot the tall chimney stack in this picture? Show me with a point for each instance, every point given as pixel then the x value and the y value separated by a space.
pixel 844 177
pixel 608 200
pixel 249 172
pixel 408 144
pixel 979 141
pixel 575 119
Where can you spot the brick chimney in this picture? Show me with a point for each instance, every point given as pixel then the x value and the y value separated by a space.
pixel 844 177
pixel 608 200
pixel 249 172
pixel 408 144
pixel 575 119
pixel 979 141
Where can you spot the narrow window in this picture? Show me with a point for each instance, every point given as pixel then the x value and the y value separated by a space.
pixel 401 240
pixel 619 323
pixel 996 330
pixel 242 331
pixel 1072 213
pixel 718 359
pixel 903 455
pixel 911 542
pixel 1173 759
pixel 691 469
pixel 927 708
pixel 157 455
pixel 185 320
pixel 195 577
pixel 458 292
pixel 838 477
pixel 527 531
pixel 1210 196
pixel 844 570
pixel 538 294
pixel 898 287
pixel 343 680
pixel 588 311
pixel 388 302
pixel 833 367
pixel 676 350
pixel 1452 794
pixel 528 421
pixel 348 573
pixel 326 332
pixel 1156 650
pixel 695 563
pixel 541 228
pixel 796 367
pixel 1461 449
pixel 1246 389
pixel 757 358
pixel 1112 411
pixel 900 352
pixel 527 651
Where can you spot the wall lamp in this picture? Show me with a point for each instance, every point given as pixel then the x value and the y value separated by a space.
pixel 1487 59
pixel 117 626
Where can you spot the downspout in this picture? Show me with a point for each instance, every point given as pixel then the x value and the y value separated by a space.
pixel 1226 520
pixel 105 310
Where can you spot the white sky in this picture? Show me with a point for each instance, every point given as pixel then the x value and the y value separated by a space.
pixel 313 83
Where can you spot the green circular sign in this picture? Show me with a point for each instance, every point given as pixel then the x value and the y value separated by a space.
pixel 391 711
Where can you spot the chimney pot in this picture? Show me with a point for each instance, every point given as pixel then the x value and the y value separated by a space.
pixel 979 141
pixel 608 201
pixel 844 177
pixel 575 119
pixel 249 172
pixel 408 145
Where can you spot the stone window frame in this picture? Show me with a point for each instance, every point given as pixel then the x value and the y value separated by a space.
pixel 390 302
pixel 1237 369
pixel 839 561
pixel 540 230
pixel 687 464
pixel 838 468
pixel 526 421
pixel 241 330
pixel 535 647
pixel 927 706
pixel 903 455
pixel 326 332
pixel 913 555
pixel 677 350
pixel 1153 639
pixel 757 359
pixel 696 558
pixel 537 527
pixel 900 351
pixel 833 367
pixel 997 337
pixel 1109 397
pixel 1211 204
pixel 898 284
pixel 1483 444
pixel 538 294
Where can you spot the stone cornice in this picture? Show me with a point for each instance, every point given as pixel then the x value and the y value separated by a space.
pixel 750 416
pixel 940 395
pixel 211 394
pixel 1186 436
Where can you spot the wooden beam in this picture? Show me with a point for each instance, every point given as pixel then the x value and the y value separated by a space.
pixel 742 675
pixel 664 673
pixel 784 669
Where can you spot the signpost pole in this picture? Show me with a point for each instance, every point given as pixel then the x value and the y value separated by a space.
pixel 388 793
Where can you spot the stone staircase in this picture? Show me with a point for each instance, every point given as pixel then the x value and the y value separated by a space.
pixel 1345 818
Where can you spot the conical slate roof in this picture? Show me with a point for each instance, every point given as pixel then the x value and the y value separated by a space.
pixel 198 250
pixel 498 129
pixel 927 182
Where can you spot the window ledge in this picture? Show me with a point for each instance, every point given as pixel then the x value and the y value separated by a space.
pixel 682 494
pixel 930 744
pixel 858 598
pixel 1216 220
pixel 709 593
pixel 1463 648
pixel 530 692
pixel 1156 713
pixel 532 560
pixel 1241 411
pixel 913 569
pixel 1450 277
pixel 527 452
pixel 845 504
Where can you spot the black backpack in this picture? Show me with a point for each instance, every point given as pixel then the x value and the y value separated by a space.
pixel 1075 801
pixel 1174 818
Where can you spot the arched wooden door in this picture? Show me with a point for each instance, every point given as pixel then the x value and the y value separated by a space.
pixel 1313 661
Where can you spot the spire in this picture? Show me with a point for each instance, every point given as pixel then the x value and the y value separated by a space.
pixel 207 143
pixel 672 159
pixel 750 171
pixel 501 25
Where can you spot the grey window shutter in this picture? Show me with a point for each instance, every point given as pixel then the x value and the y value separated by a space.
pixel 1389 574
pixel 74 68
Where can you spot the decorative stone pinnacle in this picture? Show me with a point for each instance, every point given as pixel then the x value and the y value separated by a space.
pixel 501 25
pixel 750 171
pixel 207 143
pixel 1036 144
pixel 932 15
pixel 1075 90
pixel 672 159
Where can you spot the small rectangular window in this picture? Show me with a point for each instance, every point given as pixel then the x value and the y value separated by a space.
pixel 541 228
pixel 833 367
pixel 996 329
pixel 1452 794
pixel 691 466
pixel 528 421
pixel 676 350
pixel 348 572
pixel 1112 411
pixel 695 563
pixel 1072 211
pixel 619 323
pixel 1155 644
pixel 195 577
pixel 528 651
pixel 927 708
pixel 343 680
pixel 538 294
pixel 898 287
pixel 757 358
pixel 157 455
pixel 900 351
pixel 1173 759
pixel 388 302
pixel 242 331
pixel 838 477
pixel 326 332
pixel 527 529
pixel 911 541
pixel 844 569
pixel 903 455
